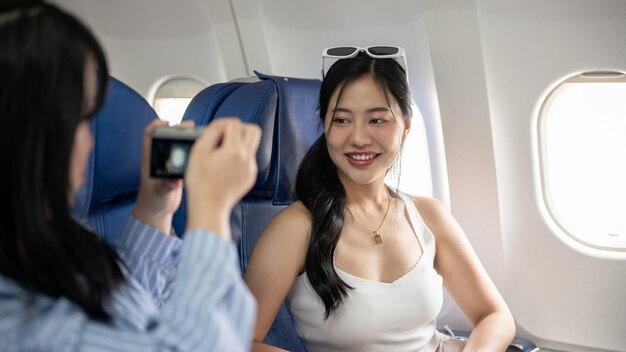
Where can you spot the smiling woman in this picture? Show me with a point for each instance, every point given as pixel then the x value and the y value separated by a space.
pixel 364 131
pixel 352 248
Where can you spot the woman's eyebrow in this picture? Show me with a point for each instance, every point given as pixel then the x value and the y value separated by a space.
pixel 378 109
pixel 341 109
pixel 370 110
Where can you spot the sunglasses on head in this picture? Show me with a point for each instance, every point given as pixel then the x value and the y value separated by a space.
pixel 375 51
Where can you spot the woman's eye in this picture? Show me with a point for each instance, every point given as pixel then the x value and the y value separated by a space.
pixel 340 121
pixel 377 121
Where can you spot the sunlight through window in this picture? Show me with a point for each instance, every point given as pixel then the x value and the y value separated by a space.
pixel 170 96
pixel 582 136
pixel 171 109
pixel 414 169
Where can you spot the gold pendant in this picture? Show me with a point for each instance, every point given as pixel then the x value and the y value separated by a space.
pixel 377 238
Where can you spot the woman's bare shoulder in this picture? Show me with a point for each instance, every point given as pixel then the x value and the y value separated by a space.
pixel 429 205
pixel 435 214
pixel 296 212
pixel 282 246
pixel 295 219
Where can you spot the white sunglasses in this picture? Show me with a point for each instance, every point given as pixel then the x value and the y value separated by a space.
pixel 375 51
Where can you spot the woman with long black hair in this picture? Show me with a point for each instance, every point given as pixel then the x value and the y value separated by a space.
pixel 362 265
pixel 61 287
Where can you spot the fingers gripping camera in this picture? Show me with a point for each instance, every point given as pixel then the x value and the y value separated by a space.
pixel 170 150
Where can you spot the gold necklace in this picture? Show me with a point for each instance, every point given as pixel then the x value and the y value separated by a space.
pixel 377 238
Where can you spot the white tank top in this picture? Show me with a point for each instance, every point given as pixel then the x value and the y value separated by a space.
pixel 376 316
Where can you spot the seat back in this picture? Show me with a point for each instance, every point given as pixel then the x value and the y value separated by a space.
pixel 113 172
pixel 285 109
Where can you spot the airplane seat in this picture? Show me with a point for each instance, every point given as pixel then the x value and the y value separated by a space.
pixel 113 171
pixel 286 111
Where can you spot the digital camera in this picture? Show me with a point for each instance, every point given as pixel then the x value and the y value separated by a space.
pixel 170 150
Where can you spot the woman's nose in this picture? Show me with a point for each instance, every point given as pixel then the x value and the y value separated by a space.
pixel 360 134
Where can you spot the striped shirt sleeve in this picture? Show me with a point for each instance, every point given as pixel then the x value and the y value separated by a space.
pixel 210 309
pixel 150 256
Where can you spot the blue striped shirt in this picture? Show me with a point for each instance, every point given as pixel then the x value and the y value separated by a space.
pixel 181 296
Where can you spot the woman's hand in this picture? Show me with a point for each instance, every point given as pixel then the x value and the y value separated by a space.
pixel 221 170
pixel 158 198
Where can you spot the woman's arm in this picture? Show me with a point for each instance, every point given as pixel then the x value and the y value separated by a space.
pixel 467 281
pixel 158 198
pixel 150 257
pixel 210 309
pixel 145 244
pixel 277 260
pixel 221 169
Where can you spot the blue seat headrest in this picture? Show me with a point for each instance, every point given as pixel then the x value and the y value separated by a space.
pixel 284 108
pixel 297 128
pixel 255 103
pixel 203 106
pixel 113 171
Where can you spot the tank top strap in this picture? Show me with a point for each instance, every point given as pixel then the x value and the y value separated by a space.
pixel 423 233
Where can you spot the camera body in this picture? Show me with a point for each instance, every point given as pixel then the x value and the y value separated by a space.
pixel 170 150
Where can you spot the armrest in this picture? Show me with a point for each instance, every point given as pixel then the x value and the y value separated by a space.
pixel 519 344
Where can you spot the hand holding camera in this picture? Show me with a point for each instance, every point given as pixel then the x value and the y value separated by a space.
pixel 160 197
pixel 219 166
pixel 221 170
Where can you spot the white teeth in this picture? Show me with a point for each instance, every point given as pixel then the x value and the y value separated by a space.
pixel 362 156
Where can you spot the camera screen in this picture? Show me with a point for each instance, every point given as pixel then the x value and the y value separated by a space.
pixel 170 150
pixel 169 157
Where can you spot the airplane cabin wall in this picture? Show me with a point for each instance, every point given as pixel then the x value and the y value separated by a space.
pixel 566 294
pixel 148 40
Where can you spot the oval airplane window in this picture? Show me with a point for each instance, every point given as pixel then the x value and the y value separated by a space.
pixel 582 145
pixel 412 173
pixel 171 95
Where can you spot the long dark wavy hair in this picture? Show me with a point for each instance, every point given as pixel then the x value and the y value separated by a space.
pixel 317 183
pixel 43 51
